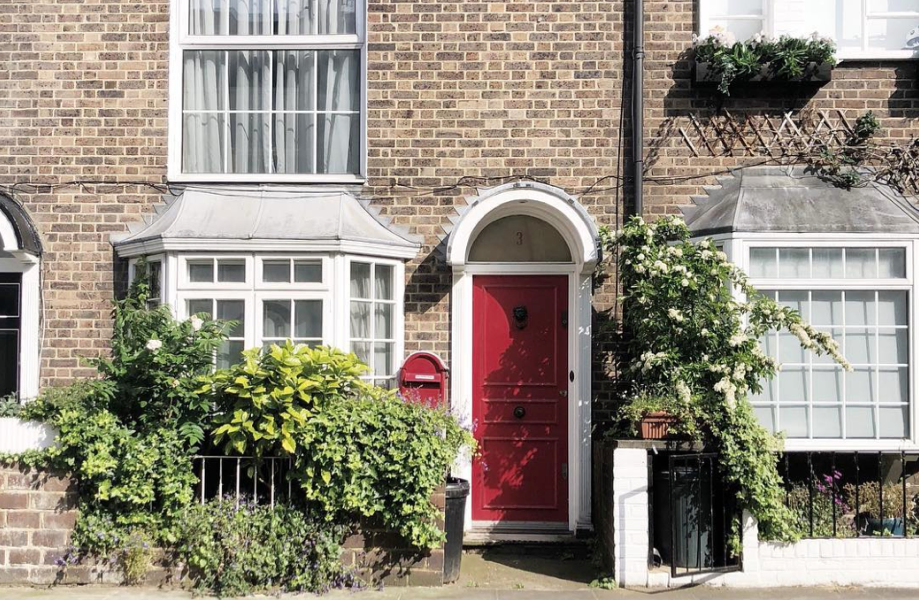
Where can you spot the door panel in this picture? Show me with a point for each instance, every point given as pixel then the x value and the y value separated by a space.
pixel 520 387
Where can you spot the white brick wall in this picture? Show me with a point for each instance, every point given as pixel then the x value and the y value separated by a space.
pixel 889 562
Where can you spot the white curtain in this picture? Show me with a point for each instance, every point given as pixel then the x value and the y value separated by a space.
pixel 337 17
pixel 292 17
pixel 339 90
pixel 204 133
pixel 294 132
pixel 250 85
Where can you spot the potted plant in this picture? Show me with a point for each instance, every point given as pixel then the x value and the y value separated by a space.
pixel 657 416
pixel 721 60
pixel 874 519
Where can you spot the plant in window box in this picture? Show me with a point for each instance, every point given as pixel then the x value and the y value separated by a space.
pixel 722 60
pixel 873 518
pixel 660 416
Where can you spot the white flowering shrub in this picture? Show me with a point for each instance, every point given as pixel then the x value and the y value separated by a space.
pixel 694 351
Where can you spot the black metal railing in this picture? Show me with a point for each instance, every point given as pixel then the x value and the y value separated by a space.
pixel 243 479
pixel 696 524
pixel 852 494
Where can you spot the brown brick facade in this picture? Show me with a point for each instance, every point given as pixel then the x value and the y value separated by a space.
pixel 459 94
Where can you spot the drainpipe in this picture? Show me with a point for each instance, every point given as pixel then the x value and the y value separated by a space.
pixel 638 106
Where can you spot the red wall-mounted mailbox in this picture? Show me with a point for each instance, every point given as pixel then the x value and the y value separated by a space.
pixel 423 378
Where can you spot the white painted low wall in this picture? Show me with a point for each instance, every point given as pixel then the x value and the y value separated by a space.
pixel 17 435
pixel 887 562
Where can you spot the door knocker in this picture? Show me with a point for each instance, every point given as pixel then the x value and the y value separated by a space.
pixel 521 316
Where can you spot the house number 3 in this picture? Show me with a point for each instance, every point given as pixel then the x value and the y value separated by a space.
pixel 519 238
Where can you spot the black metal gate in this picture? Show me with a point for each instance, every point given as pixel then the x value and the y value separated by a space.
pixel 703 517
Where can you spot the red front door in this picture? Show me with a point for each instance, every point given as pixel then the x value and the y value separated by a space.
pixel 520 403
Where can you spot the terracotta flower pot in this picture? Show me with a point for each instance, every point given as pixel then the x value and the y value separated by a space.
pixel 656 425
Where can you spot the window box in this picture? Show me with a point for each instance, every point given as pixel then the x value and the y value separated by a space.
pixel 656 425
pixel 814 73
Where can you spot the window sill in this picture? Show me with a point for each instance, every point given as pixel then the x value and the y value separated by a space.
pixel 251 178
pixel 898 55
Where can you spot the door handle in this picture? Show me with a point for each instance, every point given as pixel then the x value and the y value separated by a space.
pixel 563 393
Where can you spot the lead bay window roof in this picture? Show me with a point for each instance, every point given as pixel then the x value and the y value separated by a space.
pixel 258 219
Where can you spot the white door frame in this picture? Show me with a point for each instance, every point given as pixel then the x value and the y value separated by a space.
pixel 572 222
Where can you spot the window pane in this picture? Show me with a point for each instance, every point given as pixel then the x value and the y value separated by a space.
pixel 892 308
pixel 876 6
pixel 293 17
pixel 892 263
pixel 306 271
pixel 360 280
pixel 9 300
pixel 337 17
pixel 384 320
pixel 308 315
pixel 249 142
pixel 9 362
pixel 827 385
pixel 205 17
pixel 890 34
pixel 742 29
pixel 383 279
pixel 231 271
pixel 360 320
pixel 893 421
pixel 794 263
pixel 249 17
pixel 338 143
pixel 860 309
pixel 198 307
pixel 827 421
pixel 383 360
pixel 893 346
pixel 795 300
pixel 230 353
pixel 724 8
pixel 293 80
pixel 763 263
pixel 860 422
pixel 767 394
pixel 294 143
pixel 861 263
pixel 201 271
pixel 339 80
pixel 362 350
pixel 839 19
pixel 154 276
pixel 276 319
pixel 204 80
pixel 859 347
pixel 233 310
pixel 827 263
pixel 794 421
pixel 860 386
pixel 793 386
pixel 203 143
pixel 766 416
pixel 826 308
pixel 276 271
pixel 894 384
pixel 790 350
pixel 249 77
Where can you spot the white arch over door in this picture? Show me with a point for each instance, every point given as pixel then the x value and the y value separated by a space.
pixel 561 210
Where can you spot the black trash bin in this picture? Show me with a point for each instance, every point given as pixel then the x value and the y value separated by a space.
pixel 455 514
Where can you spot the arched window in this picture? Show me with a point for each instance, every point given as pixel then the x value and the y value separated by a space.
pixel 519 238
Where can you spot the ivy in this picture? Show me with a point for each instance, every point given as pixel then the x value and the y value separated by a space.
pixel 694 351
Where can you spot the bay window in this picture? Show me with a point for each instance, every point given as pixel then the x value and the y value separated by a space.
pixel 861 28
pixel 372 322
pixel 861 296
pixel 271 90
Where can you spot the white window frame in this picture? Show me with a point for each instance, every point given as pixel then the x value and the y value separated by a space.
pixel 292 296
pixel 153 258
pixel 738 250
pixel 398 324
pixel 770 20
pixel 186 283
pixel 324 262
pixel 181 40
pixel 182 308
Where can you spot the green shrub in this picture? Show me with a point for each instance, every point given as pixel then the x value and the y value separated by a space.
pixel 233 551
pixel 357 450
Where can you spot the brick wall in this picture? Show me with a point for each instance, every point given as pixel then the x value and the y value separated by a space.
pixel 37 515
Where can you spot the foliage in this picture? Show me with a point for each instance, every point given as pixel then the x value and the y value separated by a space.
pixel 10 406
pixel 643 402
pixel 785 58
pixel 135 560
pixel 233 551
pixel 821 493
pixel 154 362
pixel 845 167
pixel 604 583
pixel 357 450
pixel 691 339
pixel 869 498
